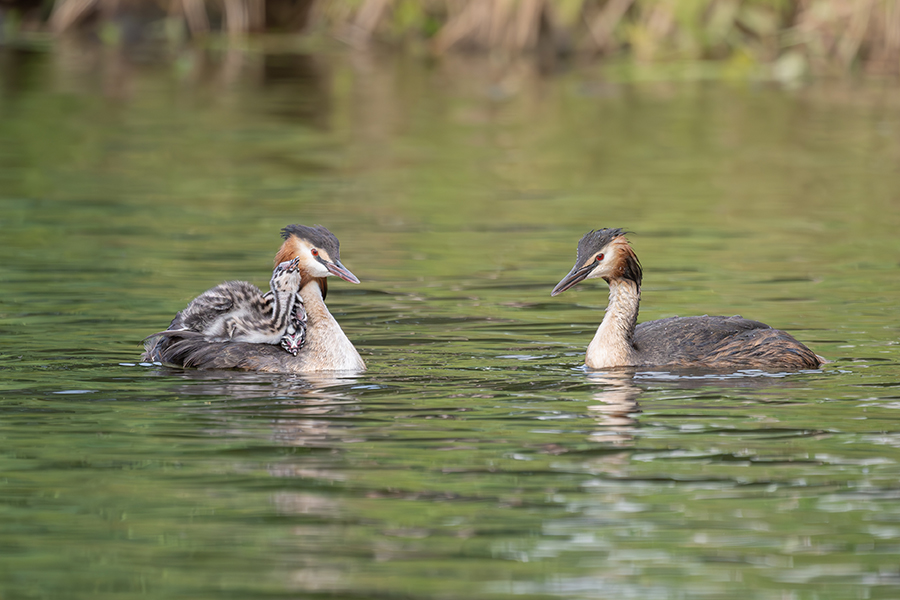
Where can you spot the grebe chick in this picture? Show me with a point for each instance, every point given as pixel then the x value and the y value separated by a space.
pixel 325 347
pixel 295 334
pixel 713 342
pixel 237 311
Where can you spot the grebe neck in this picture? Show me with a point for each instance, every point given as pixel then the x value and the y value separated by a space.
pixel 327 347
pixel 613 344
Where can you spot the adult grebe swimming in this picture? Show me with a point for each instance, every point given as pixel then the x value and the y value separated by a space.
pixel 676 341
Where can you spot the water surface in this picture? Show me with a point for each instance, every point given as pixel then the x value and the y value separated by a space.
pixel 476 458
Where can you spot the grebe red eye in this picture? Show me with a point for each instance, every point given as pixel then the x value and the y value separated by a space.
pixel 599 257
pixel 314 252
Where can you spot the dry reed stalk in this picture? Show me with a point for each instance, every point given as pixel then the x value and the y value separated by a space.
pixel 331 11
pixel 514 25
pixel 602 26
pixel 367 19
pixel 528 24
pixel 460 25
pixel 68 13
pixel 236 17
pixel 194 13
pixel 721 20
pixel 492 31
pixel 660 20
pixel 656 23
pixel 887 55
pixel 850 42
pixel 257 13
pixel 892 26
pixel 843 32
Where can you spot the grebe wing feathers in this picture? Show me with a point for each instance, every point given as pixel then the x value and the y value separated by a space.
pixel 710 327
pixel 719 341
pixel 190 349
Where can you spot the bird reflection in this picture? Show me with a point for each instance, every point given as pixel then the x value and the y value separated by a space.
pixel 300 411
pixel 248 385
pixel 617 404
pixel 618 391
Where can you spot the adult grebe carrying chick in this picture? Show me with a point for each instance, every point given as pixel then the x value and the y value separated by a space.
pixel 221 328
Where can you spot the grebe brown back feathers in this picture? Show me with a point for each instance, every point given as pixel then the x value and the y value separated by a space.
pixel 714 342
pixel 325 348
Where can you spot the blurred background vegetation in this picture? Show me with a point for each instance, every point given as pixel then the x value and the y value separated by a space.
pixel 792 37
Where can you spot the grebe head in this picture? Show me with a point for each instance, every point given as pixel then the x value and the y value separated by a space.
pixel 602 253
pixel 317 248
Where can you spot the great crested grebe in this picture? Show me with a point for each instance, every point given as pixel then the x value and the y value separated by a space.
pixel 325 347
pixel 705 341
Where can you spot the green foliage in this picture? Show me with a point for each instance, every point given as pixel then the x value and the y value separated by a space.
pixel 408 16
pixel 759 31
pixel 823 33
pixel 110 34
pixel 568 12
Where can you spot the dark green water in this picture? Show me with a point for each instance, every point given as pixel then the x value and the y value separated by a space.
pixel 476 458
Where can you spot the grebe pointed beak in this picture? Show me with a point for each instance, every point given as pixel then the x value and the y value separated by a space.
pixel 336 268
pixel 575 276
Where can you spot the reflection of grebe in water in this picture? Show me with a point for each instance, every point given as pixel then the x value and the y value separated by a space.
pixel 677 341
pixel 616 396
pixel 315 254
